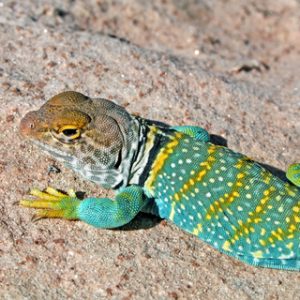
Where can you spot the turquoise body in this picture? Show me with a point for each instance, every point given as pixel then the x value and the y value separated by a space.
pixel 227 200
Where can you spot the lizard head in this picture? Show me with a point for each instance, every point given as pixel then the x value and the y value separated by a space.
pixel 92 136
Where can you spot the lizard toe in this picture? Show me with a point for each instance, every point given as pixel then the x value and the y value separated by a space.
pixel 52 204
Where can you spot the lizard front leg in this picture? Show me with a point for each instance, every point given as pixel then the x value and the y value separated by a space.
pixel 293 174
pixel 196 132
pixel 98 212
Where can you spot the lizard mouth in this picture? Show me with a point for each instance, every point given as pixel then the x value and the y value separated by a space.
pixel 69 160
pixel 54 152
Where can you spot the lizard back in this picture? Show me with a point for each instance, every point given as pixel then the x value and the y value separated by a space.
pixel 228 201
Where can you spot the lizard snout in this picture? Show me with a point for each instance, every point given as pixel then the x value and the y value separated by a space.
pixel 28 124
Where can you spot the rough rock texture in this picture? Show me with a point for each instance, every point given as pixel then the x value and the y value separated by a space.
pixel 229 66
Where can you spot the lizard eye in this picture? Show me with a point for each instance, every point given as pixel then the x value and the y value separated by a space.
pixel 70 132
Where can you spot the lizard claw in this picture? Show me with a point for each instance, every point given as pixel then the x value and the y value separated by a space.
pixel 52 203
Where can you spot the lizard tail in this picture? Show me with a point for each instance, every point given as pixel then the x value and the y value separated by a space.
pixel 293 174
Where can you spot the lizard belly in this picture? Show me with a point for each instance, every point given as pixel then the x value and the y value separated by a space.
pixel 229 202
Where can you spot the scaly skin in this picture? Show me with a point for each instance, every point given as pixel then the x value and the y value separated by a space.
pixel 221 196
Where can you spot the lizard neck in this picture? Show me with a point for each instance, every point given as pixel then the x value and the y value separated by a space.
pixel 133 142
pixel 151 138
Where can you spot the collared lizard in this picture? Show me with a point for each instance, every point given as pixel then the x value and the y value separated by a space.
pixel 223 197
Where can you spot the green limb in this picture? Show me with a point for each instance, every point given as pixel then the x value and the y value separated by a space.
pixel 108 213
pixel 194 131
pixel 293 174
pixel 98 212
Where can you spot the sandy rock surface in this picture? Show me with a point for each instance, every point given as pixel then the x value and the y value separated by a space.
pixel 229 66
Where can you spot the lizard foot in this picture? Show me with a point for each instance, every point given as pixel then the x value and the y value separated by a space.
pixel 53 204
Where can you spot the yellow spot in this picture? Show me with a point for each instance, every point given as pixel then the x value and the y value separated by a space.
pixel 239 164
pixel 262 242
pixel 292 228
pixel 267 180
pixel 211 149
pixel 201 175
pixel 263 201
pixel 198 229
pixel 291 193
pixel 211 207
pixel 240 175
pixel 290 245
pixel 176 196
pixel 258 254
pixel 172 212
pixel 276 235
pixel 296 209
pixel 258 209
pixel 226 246
pixel 263 231
pixel 211 158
